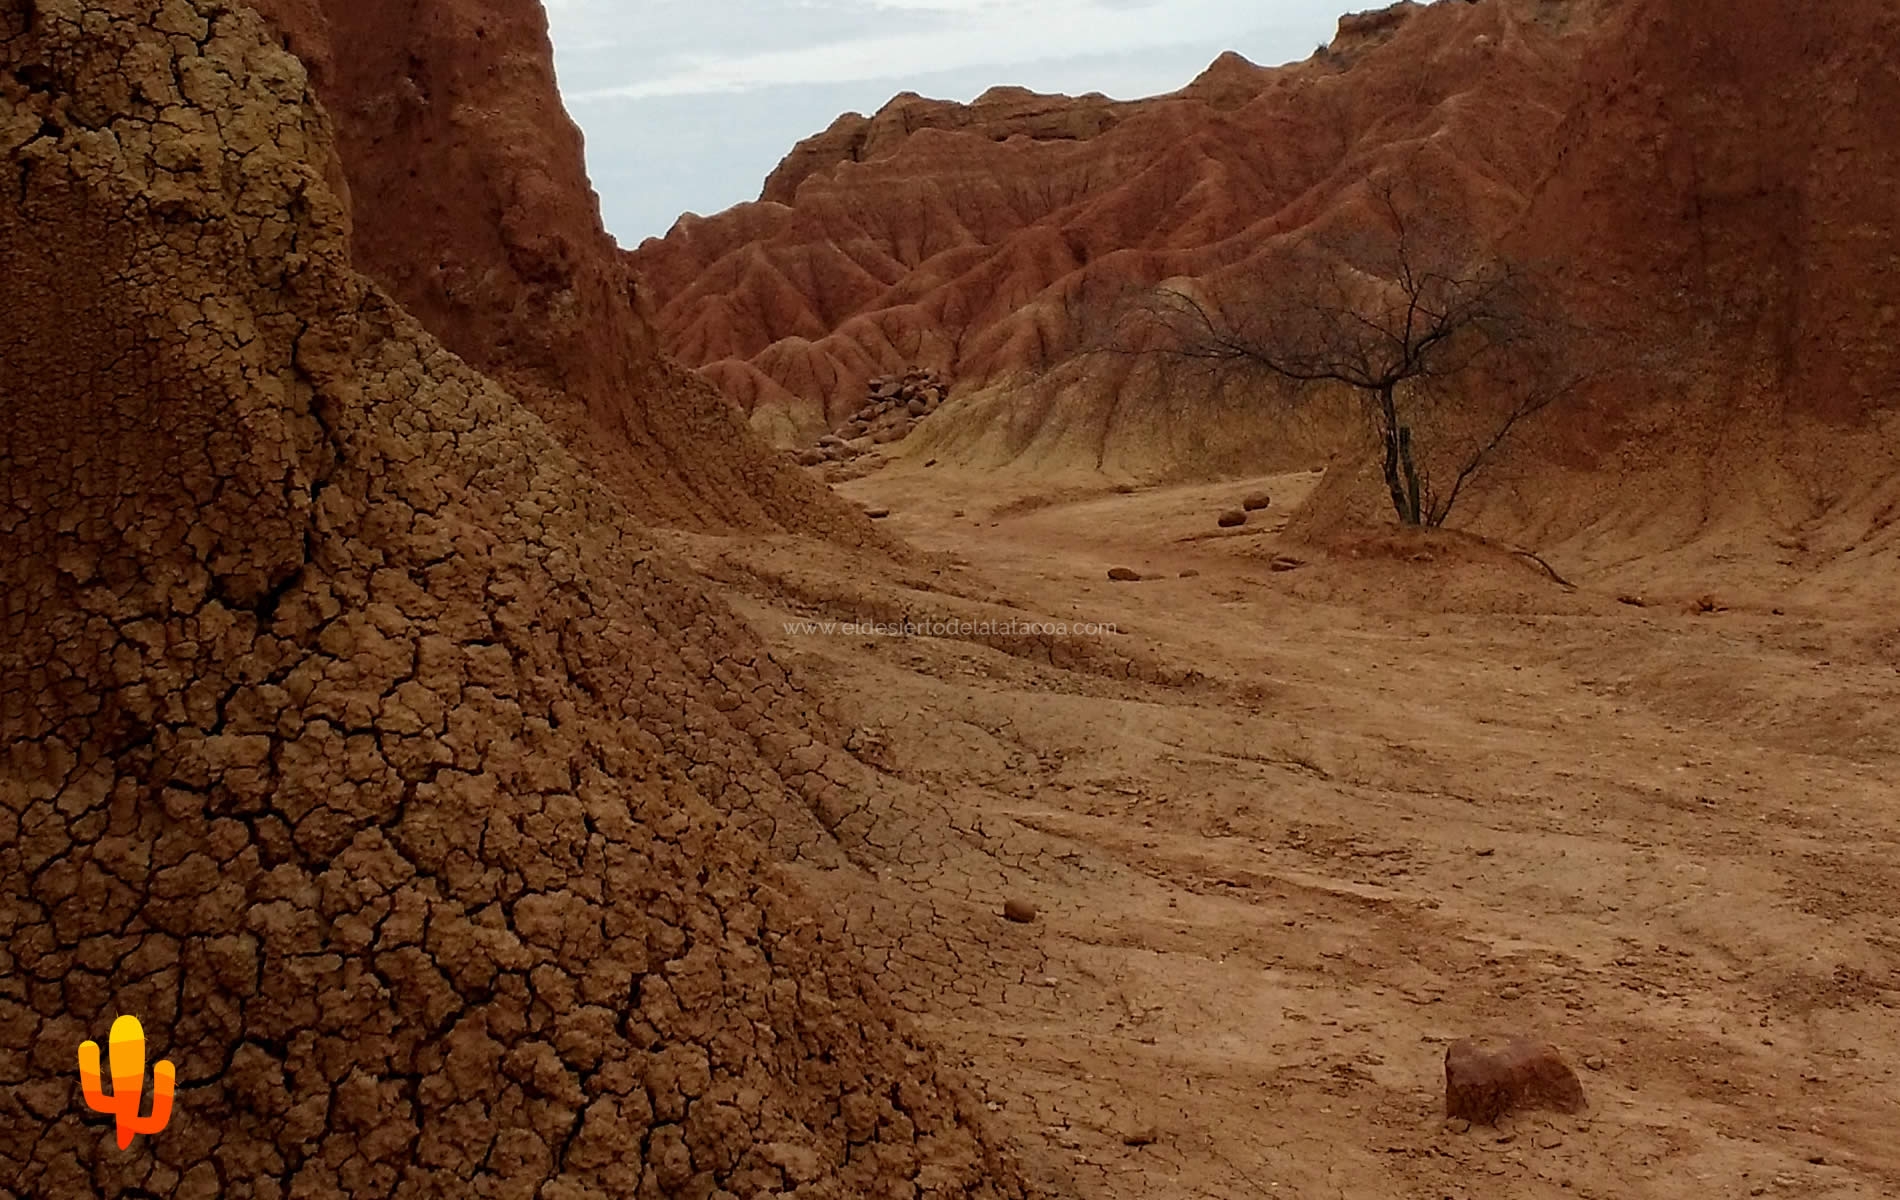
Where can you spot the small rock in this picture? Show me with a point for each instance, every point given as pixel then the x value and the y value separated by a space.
pixel 1511 993
pixel 1190 573
pixel 1458 1125
pixel 1285 562
pixel 1146 1136
pixel 810 458
pixel 1019 910
pixel 1124 575
pixel 1486 1078
pixel 917 408
pixel 1595 1062
pixel 1232 519
pixel 1550 1139
pixel 877 514
pixel 931 463
pixel 1256 502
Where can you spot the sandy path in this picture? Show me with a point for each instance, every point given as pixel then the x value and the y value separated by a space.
pixel 1409 801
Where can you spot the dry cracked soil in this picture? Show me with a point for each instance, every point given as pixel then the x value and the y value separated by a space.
pixel 1368 805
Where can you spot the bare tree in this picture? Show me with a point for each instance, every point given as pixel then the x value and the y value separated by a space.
pixel 1448 348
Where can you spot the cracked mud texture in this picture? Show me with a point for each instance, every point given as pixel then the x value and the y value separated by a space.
pixel 354 738
pixel 471 204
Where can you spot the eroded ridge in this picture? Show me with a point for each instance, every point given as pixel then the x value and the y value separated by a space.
pixel 353 738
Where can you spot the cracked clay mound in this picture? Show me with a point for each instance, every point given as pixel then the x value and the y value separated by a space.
pixel 353 738
pixel 471 205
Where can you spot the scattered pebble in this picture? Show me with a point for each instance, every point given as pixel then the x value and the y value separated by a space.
pixel 1019 910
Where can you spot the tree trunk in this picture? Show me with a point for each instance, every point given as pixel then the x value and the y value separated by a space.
pixel 1415 511
pixel 1394 482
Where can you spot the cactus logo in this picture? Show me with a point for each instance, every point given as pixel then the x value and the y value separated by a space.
pixel 127 1045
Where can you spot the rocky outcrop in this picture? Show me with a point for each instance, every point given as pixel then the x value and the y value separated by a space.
pixel 893 407
pixel 472 207
pixel 352 736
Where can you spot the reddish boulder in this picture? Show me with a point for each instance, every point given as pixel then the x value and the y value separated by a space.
pixel 1485 1078
pixel 1232 519
pixel 1123 575
pixel 1258 502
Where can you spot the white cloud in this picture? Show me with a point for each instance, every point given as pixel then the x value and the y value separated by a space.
pixel 985 34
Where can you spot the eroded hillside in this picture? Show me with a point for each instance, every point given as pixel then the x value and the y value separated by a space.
pixel 969 238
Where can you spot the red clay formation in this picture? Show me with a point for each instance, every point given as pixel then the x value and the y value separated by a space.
pixel 471 205
pixel 968 237
pixel 353 737
pixel 1486 1078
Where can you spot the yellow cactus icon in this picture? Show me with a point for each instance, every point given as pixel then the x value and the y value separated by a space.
pixel 127 1043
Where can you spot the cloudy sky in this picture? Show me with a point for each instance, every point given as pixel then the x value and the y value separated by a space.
pixel 689 104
